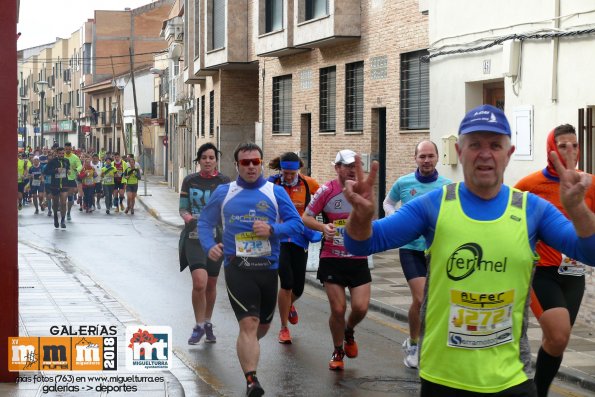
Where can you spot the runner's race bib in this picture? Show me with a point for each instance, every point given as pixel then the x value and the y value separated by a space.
pixel 61 173
pixel 88 181
pixel 339 231
pixel 571 267
pixel 36 182
pixel 108 180
pixel 250 245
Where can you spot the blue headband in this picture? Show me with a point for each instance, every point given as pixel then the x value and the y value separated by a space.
pixel 290 165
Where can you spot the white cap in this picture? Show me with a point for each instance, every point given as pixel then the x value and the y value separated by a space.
pixel 345 156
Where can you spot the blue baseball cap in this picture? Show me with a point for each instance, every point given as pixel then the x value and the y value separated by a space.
pixel 485 118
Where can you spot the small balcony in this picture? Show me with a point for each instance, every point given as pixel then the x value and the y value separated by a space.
pixel 275 30
pixel 315 28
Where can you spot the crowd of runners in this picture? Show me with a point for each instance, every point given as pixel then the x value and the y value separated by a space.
pixel 56 179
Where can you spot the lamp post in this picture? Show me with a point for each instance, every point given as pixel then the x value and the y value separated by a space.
pixel 24 102
pixel 41 89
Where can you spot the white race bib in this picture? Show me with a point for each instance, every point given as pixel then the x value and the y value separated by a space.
pixel 250 245
pixel 108 180
pixel 571 267
pixel 36 182
pixel 479 320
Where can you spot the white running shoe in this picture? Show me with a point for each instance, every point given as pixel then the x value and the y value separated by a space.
pixel 412 358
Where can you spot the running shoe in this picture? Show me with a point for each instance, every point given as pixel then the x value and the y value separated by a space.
pixel 49 213
pixel 254 389
pixel 117 209
pixel 411 359
pixel 98 205
pixel 293 316
pixel 68 218
pixel 107 212
pixel 121 206
pixel 197 333
pixel 20 206
pixel 63 225
pixel 56 223
pixel 131 211
pixel 210 336
pixel 284 336
pixel 36 211
pixel 336 362
pixel 126 211
pixel 350 344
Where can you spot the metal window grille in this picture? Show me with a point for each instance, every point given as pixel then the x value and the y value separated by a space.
pixel 282 104
pixel 354 96
pixel 202 115
pixel 218 39
pixel 415 91
pixel 316 8
pixel 274 15
pixel 328 99
pixel 212 113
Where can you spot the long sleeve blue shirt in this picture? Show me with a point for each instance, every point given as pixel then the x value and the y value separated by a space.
pixel 237 205
pixel 419 216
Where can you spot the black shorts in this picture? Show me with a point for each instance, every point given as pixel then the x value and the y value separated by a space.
pixel 292 267
pixel 37 189
pixel 348 272
pixel 132 188
pixel 430 389
pixel 197 259
pixel 56 190
pixel 413 263
pixel 118 185
pixel 21 187
pixel 71 183
pixel 252 293
pixel 551 289
pixel 98 188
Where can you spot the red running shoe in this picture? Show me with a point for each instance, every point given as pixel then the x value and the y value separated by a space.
pixel 293 316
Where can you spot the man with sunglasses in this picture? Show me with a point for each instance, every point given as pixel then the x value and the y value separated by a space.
pixel 254 214
pixel 559 281
pixel 338 269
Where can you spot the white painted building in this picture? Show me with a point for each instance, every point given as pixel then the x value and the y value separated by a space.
pixel 541 80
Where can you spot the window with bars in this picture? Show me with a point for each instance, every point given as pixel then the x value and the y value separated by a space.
pixel 217 24
pixel 354 96
pixel 212 113
pixel 316 9
pixel 273 15
pixel 328 99
pixel 282 104
pixel 202 116
pixel 415 91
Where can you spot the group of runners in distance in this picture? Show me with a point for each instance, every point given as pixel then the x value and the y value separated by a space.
pixel 56 178
pixel 260 230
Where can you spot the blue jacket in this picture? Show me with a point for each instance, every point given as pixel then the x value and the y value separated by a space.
pixel 237 205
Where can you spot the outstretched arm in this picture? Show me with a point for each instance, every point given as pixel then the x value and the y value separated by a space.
pixel 573 186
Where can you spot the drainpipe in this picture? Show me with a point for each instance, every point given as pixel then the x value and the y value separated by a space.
pixel 555 49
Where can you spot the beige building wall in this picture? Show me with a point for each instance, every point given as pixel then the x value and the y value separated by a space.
pixel 388 29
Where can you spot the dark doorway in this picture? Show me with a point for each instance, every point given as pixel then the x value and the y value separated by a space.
pixel 306 142
pixel 379 149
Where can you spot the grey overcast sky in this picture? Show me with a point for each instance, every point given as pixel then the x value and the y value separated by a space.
pixel 41 21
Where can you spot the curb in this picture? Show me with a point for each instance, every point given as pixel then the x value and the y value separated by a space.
pixel 155 214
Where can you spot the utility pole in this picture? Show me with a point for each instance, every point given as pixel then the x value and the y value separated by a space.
pixel 139 126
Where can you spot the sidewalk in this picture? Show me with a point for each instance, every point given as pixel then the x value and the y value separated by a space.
pixel 53 292
pixel 390 293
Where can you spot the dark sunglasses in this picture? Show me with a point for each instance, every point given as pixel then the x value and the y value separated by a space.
pixel 247 162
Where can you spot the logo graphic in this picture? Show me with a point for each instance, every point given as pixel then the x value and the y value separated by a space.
pixel 55 353
pixel 23 354
pixel 338 204
pixel 467 259
pixel 148 348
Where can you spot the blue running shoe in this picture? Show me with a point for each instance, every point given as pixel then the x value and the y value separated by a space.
pixel 197 333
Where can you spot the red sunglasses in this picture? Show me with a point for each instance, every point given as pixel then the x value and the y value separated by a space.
pixel 247 162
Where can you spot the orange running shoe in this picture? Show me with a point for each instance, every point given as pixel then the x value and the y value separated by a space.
pixel 336 362
pixel 293 316
pixel 350 344
pixel 284 336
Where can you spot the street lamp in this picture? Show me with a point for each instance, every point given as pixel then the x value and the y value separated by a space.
pixel 41 89
pixel 24 102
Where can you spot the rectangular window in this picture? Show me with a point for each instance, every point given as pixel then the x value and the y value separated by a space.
pixel 202 116
pixel 354 96
pixel 282 104
pixel 328 99
pixel 218 24
pixel 316 9
pixel 212 113
pixel 86 58
pixel 415 91
pixel 197 28
pixel 274 15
